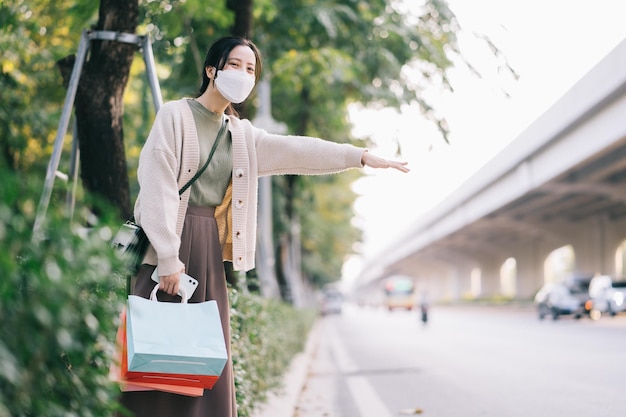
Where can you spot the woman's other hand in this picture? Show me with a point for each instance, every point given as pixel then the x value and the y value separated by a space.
pixel 377 162
pixel 170 283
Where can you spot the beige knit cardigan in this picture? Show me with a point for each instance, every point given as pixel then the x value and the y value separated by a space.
pixel 170 158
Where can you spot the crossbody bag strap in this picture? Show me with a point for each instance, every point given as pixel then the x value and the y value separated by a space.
pixel 220 133
pixel 206 164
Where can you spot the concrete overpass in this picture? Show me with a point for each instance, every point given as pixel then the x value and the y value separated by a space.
pixel 561 182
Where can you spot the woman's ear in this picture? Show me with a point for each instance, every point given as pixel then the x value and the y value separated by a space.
pixel 210 72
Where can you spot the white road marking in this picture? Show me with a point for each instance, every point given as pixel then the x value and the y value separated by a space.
pixel 345 363
pixel 365 397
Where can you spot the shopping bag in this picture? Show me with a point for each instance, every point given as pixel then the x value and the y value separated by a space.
pixel 174 338
pixel 118 371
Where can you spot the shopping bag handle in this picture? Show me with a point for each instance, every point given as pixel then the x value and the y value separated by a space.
pixel 181 292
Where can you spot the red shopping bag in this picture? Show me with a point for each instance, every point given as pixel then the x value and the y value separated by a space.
pixel 119 369
pixel 184 380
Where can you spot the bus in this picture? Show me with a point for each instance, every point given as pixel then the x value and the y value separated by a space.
pixel 399 293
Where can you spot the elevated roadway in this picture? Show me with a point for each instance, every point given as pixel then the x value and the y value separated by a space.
pixel 561 182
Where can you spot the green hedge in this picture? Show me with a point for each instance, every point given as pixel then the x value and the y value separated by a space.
pixel 59 302
pixel 59 306
pixel 266 334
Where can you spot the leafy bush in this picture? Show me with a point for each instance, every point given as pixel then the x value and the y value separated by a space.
pixel 59 302
pixel 266 334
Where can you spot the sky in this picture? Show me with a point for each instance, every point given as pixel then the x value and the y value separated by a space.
pixel 551 44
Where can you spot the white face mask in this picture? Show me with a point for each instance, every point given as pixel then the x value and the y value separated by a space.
pixel 234 85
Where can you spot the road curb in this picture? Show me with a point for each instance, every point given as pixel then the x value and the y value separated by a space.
pixel 283 401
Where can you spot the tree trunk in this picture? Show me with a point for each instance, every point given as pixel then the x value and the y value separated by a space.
pixel 287 275
pixel 99 106
pixel 243 27
pixel 243 17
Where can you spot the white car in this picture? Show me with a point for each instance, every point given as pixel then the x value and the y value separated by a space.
pixel 608 295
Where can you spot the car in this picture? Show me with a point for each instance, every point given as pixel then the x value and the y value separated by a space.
pixel 570 297
pixel 608 294
pixel 331 301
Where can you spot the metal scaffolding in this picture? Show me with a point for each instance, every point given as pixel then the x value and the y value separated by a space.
pixel 143 43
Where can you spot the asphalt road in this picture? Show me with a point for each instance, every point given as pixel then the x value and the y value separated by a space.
pixel 466 362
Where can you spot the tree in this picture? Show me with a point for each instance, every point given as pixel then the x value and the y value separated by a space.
pixel 33 35
pixel 369 52
pixel 100 105
pixel 242 10
pixel 323 56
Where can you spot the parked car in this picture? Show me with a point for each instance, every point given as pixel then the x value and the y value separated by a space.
pixel 608 295
pixel 570 297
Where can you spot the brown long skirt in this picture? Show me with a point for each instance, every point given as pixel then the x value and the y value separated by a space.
pixel 201 253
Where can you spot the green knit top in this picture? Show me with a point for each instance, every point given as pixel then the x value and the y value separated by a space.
pixel 209 189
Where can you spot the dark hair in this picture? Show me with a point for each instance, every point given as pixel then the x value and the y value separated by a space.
pixel 218 54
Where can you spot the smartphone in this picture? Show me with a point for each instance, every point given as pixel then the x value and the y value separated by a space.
pixel 188 283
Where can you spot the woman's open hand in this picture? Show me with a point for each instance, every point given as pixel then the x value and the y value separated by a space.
pixel 377 162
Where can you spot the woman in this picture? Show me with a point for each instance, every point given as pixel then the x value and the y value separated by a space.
pixel 215 219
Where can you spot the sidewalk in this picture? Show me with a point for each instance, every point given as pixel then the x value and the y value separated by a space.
pixel 284 402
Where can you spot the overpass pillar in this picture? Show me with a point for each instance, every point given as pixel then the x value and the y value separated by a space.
pixel 460 279
pixel 457 284
pixel 529 260
pixel 595 243
pixel 490 277
pixel 443 281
